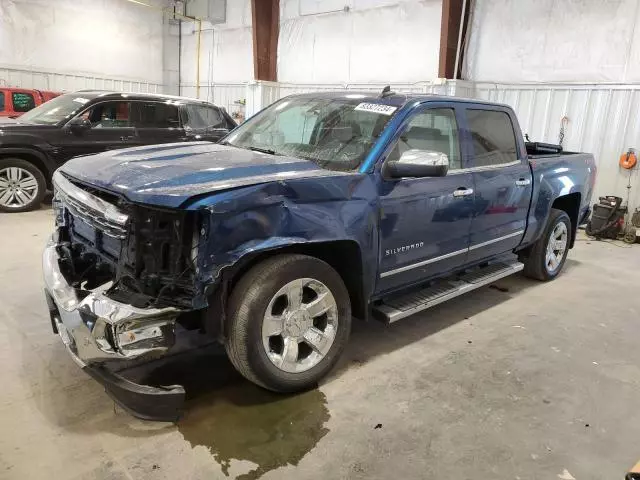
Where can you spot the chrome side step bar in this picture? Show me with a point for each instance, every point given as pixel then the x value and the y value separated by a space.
pixel 397 307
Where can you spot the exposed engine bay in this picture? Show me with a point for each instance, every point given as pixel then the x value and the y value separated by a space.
pixel 145 257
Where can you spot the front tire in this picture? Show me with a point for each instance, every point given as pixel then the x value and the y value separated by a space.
pixel 22 185
pixel 289 321
pixel 547 256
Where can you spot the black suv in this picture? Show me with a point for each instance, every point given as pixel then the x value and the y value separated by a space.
pixel 88 122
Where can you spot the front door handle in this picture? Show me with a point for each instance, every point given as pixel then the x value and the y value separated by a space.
pixel 523 182
pixel 124 139
pixel 463 192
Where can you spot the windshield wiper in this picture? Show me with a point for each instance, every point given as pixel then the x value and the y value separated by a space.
pixel 255 149
pixel 263 150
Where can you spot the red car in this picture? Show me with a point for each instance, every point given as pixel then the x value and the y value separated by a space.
pixel 15 101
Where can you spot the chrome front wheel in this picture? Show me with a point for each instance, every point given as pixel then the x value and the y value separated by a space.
pixel 18 187
pixel 289 319
pixel 300 325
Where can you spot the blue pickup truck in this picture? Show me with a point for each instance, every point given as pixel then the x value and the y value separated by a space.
pixel 321 207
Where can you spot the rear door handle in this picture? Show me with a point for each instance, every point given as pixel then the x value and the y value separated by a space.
pixel 124 139
pixel 523 182
pixel 463 192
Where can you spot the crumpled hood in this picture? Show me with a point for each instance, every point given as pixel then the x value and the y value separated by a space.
pixel 169 174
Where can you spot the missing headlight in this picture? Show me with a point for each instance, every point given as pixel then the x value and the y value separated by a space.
pixel 58 210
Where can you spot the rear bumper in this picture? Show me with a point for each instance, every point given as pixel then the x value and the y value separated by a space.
pixel 95 329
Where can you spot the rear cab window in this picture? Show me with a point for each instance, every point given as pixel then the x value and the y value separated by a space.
pixel 2 108
pixel 492 137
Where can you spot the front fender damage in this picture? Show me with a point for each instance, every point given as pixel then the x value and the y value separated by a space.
pixel 243 223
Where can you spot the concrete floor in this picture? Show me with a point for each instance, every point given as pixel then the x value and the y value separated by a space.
pixel 524 381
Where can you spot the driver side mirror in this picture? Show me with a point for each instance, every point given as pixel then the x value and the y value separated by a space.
pixel 418 163
pixel 78 125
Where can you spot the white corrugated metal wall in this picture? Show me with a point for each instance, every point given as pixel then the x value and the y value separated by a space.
pixel 65 82
pixel 599 118
pixel 71 44
pixel 260 94
pixel 227 95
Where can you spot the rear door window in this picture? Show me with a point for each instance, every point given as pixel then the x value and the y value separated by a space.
pixel 201 116
pixel 154 115
pixel 22 102
pixel 492 136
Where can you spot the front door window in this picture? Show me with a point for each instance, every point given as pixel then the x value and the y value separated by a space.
pixel 109 115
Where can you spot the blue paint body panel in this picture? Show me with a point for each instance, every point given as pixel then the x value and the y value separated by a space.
pixel 252 202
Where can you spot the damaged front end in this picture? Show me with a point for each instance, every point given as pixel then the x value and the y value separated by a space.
pixel 118 278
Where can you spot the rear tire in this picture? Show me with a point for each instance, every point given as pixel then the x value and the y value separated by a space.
pixel 22 185
pixel 309 343
pixel 547 256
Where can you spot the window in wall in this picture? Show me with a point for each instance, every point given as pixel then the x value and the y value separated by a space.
pixel 494 142
pixel 434 130
pixel 200 116
pixel 154 115
pixel 22 102
pixel 108 115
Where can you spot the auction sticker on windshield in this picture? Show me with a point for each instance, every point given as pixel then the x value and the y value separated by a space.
pixel 376 108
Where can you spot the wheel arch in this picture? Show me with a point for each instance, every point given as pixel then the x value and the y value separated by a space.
pixel 570 204
pixel 32 156
pixel 344 256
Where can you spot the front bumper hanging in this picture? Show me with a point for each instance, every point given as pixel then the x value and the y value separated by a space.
pixel 96 329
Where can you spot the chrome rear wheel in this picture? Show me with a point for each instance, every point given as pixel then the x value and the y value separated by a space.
pixel 545 259
pixel 556 246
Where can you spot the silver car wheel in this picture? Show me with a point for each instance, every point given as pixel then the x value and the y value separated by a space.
pixel 18 187
pixel 556 246
pixel 300 325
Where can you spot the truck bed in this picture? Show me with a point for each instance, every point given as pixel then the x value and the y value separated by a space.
pixel 540 149
pixel 538 156
pixel 556 175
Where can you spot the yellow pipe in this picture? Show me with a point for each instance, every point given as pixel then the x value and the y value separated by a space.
pixel 198 59
pixel 186 17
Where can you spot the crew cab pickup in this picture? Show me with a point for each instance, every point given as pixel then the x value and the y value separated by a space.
pixel 321 207
pixel 92 121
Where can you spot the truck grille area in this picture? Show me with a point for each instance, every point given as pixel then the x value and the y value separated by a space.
pixel 142 256
pixel 95 219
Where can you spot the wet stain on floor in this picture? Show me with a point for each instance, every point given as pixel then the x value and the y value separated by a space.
pixel 236 420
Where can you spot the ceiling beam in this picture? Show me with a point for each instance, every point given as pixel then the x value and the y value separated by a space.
pixel 266 23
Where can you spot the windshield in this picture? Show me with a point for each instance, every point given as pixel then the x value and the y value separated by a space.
pixel 335 133
pixel 56 110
